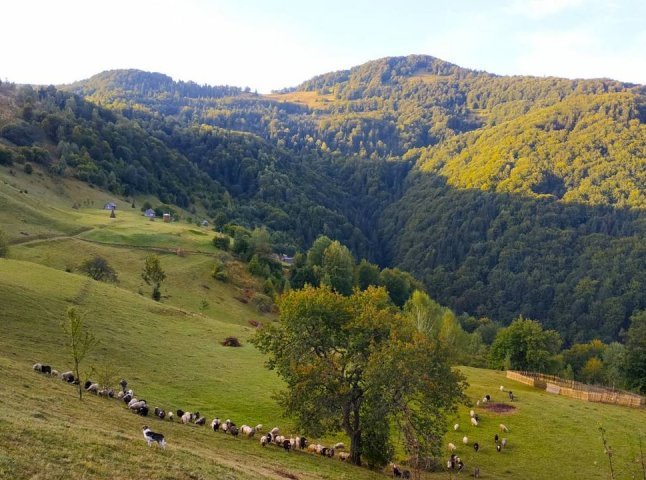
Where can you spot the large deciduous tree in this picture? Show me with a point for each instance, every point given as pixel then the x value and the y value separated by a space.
pixel 355 363
pixel 524 345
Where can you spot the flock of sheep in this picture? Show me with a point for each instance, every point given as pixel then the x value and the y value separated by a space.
pixel 273 437
pixel 141 407
pixel 454 462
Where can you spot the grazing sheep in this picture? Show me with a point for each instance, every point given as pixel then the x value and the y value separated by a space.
pixel 249 431
pixel 498 448
pixel 312 448
pixel 456 427
pixel 287 445
pixel 343 456
pixel 511 396
pixel 451 447
pixel 460 464
pixel 121 394
pixel 127 398
pixel 200 421
pixel 226 426
pixel 274 431
pixel 474 422
pixel 503 442
pixel 180 413
pixel 93 387
pixel 106 392
pixel 215 424
pixel 186 417
pixel 502 389
pixel 476 446
pixel 278 439
pixel 503 428
pixel 301 442
pixel 472 413
pixel 465 440
pixel 68 377
pixel 54 373
pixel 339 446
pixel 495 438
pixel 159 413
pixel 478 403
pixel 39 367
pixel 488 397
pixel 170 416
pixel 234 430
pixel 264 440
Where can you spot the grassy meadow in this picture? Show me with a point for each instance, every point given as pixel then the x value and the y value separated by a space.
pixel 170 352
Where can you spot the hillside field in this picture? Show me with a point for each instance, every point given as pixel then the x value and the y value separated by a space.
pixel 170 352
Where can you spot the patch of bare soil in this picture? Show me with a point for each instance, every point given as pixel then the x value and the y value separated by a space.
pixel 499 407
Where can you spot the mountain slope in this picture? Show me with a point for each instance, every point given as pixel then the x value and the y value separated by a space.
pixel 507 195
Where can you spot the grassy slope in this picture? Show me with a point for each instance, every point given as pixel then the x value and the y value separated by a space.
pixel 170 353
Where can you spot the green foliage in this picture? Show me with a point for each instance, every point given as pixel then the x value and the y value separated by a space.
pixel 317 251
pixel 79 340
pixel 399 284
pixel 28 168
pixel 337 268
pixel 636 352
pixel 524 345
pixel 153 275
pixel 220 272
pixel 98 269
pixel 367 274
pixel 222 242
pixel 347 360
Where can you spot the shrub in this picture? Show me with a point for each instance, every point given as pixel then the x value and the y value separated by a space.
pixel 231 342
pixel 263 303
pixel 220 272
pixel 28 168
pixel 98 269
pixel 221 242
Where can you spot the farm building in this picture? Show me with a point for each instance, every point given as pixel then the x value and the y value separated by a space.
pixel 166 217
pixel 205 223
pixel 110 206
pixel 150 213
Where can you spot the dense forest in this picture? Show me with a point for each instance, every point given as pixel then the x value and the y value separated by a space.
pixel 505 196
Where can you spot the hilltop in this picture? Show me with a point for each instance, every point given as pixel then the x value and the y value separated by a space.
pixel 504 195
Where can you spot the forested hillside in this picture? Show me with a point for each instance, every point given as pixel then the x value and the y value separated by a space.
pixel 504 195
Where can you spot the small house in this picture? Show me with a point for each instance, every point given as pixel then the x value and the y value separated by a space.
pixel 166 217
pixel 285 259
pixel 204 223
pixel 150 213
pixel 110 206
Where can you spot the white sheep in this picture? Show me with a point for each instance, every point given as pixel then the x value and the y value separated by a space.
pixel 503 428
pixel 502 388
pixel 264 440
pixel 274 431
pixel 465 440
pixel 94 388
pixel 503 442
pixel 170 415
pixel 451 447
pixel 472 413
pixel 54 373
pixel 339 446
pixel 478 403
pixel 456 427
pixel 343 456
pixel 474 422
pixel 186 417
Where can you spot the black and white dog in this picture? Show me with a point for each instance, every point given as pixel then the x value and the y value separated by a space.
pixel 151 437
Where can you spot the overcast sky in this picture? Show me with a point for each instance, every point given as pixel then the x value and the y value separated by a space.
pixel 271 44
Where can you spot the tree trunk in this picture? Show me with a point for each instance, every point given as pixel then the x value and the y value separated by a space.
pixel 355 447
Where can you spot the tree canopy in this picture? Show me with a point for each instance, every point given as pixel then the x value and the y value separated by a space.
pixel 354 363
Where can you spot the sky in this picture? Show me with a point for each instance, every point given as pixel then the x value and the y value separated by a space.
pixel 271 44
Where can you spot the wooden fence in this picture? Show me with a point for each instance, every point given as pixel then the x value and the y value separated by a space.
pixel 578 390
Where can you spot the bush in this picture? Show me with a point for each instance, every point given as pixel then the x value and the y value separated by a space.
pixel 28 168
pixel 221 242
pixel 220 272
pixel 263 303
pixel 231 342
pixel 98 269
pixel 6 156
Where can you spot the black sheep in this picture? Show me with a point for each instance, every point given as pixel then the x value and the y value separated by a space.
pixel 495 438
pixel 476 447
pixel 200 421
pixel 123 384
pixel 287 445
pixel 397 473
pixel 234 430
pixel 499 448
